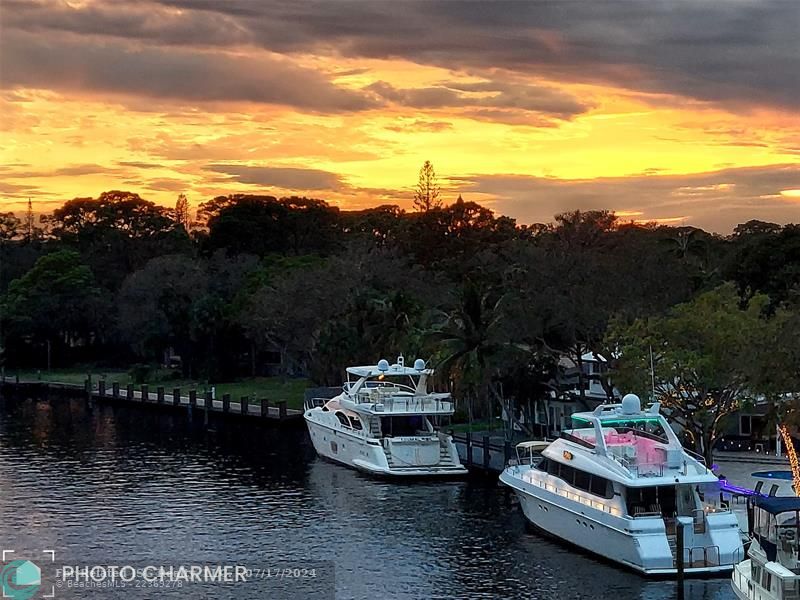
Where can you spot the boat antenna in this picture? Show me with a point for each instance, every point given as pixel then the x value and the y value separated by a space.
pixel 652 374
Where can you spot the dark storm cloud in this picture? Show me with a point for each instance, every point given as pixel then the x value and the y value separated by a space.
pixel 715 200
pixel 78 65
pixel 497 95
pixel 282 177
pixel 738 52
pixel 741 53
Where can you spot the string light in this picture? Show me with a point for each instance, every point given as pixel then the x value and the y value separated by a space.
pixel 790 452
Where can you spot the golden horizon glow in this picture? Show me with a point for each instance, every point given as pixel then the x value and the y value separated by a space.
pixel 58 145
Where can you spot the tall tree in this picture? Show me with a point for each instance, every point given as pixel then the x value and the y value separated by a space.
pixel 468 340
pixel 56 302
pixel 117 233
pixel 702 353
pixel 30 223
pixel 426 195
pixel 182 212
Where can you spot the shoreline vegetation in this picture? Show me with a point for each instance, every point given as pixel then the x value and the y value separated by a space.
pixel 272 388
pixel 513 317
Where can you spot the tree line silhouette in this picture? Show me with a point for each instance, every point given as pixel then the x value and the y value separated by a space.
pixel 297 285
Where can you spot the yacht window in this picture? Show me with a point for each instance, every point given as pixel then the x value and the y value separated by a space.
pixel 600 486
pixel 403 426
pixel 356 423
pixel 582 480
pixel 567 473
pixel 343 418
pixel 553 467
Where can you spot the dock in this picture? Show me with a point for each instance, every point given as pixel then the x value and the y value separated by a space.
pixel 159 396
pixel 487 452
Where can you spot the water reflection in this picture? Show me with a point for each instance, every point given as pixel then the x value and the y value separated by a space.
pixel 114 484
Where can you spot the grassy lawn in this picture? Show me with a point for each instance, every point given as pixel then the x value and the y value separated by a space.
pixel 272 388
pixel 476 426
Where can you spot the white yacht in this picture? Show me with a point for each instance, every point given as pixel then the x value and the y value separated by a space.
pixel 385 423
pixel 772 569
pixel 619 484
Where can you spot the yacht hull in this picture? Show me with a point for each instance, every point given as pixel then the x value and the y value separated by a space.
pixel 367 454
pixel 742 585
pixel 600 533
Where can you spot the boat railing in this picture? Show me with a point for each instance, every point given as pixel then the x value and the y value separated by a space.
pixel 429 403
pixel 698 457
pixel 702 556
pixel 647 514
pixel 316 402
pixel 637 469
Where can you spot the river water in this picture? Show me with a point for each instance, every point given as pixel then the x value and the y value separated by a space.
pixel 135 486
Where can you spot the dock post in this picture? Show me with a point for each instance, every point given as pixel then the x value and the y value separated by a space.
pixel 176 396
pixel 130 392
pixel 207 406
pixel 469 448
pixel 160 395
pixel 226 403
pixel 244 405
pixel 282 409
pixel 264 407
pixel 486 452
pixel 145 393
pixel 506 452
pixel 101 388
pixel 679 545
pixel 115 390
pixel 192 398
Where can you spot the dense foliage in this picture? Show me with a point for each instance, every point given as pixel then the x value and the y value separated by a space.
pixel 297 285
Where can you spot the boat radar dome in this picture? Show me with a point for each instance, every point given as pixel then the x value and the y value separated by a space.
pixel 419 364
pixel 631 404
pixel 383 365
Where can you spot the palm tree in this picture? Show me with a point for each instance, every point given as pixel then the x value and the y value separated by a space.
pixel 468 339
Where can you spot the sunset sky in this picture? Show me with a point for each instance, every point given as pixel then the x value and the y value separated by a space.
pixel 678 111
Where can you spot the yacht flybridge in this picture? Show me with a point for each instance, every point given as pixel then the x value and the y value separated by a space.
pixel 619 484
pixel 385 423
pixel 772 571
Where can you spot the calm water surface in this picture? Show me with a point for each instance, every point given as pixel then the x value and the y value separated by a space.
pixel 117 485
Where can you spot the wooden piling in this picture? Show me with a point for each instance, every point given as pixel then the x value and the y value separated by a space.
pixel 207 404
pixel 145 393
pixel 176 396
pixel 264 407
pixel 226 403
pixel 192 398
pixel 486 452
pixel 160 399
pixel 282 409
pixel 679 543
pixel 115 390
pixel 244 405
pixel 130 392
pixel 469 448
pixel 101 388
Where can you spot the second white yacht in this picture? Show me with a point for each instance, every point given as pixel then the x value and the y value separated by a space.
pixel 619 484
